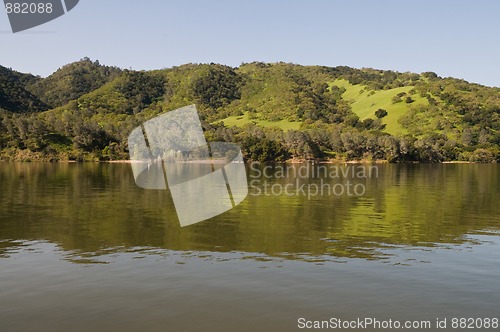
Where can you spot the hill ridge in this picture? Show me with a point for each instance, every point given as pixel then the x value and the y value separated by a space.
pixel 275 111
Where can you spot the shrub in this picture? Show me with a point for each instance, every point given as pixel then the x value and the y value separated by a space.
pixel 380 113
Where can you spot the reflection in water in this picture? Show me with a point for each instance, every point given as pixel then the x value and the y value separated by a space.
pixel 90 209
pixel 83 248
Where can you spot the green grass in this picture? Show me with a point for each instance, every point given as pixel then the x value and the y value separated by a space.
pixel 365 102
pixel 240 121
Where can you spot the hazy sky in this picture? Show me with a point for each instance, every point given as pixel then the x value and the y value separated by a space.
pixel 451 38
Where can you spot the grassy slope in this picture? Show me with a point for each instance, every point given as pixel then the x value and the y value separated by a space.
pixel 242 120
pixel 365 103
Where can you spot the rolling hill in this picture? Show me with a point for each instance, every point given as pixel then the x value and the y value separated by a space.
pixel 278 111
pixel 14 97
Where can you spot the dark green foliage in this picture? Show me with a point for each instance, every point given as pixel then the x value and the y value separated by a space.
pixel 72 81
pixel 264 150
pixel 217 86
pixel 13 94
pixel 374 79
pixel 380 113
pixel 141 89
pixel 429 74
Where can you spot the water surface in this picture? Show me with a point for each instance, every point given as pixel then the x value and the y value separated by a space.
pixel 83 248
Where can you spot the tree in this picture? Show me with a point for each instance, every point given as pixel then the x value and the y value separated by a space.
pixel 217 87
pixel 380 113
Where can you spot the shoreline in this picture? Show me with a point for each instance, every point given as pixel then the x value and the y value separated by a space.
pixel 290 162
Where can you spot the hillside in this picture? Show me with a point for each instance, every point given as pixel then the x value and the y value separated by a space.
pixel 274 111
pixel 72 81
pixel 13 94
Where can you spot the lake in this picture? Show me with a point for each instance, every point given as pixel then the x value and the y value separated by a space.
pixel 82 248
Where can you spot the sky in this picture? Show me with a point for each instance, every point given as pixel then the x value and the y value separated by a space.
pixel 452 38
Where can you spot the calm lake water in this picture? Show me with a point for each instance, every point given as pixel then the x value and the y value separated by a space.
pixel 82 248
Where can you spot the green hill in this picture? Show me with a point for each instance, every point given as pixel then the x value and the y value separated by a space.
pixel 13 94
pixel 72 81
pixel 274 111
pixel 249 118
pixel 365 102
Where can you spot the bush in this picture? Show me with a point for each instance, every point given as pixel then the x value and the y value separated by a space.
pixel 380 113
pixel 396 99
pixel 482 156
pixel 409 100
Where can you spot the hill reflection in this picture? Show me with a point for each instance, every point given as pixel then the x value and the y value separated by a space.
pixel 90 210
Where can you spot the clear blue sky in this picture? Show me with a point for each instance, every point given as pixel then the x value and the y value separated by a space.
pixel 453 38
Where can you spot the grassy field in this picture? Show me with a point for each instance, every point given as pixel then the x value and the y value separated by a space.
pixel 240 121
pixel 365 102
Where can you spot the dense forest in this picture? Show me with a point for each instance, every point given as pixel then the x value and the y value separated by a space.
pixel 276 112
